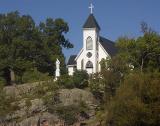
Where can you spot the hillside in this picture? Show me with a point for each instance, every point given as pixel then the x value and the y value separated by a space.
pixel 35 101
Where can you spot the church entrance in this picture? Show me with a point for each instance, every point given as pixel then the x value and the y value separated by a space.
pixel 89 67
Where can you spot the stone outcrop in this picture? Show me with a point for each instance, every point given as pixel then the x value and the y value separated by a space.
pixel 33 110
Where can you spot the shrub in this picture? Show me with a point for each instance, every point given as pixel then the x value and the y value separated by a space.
pixel 97 86
pixel 80 79
pixel 68 113
pixel 33 76
pixel 71 113
pixel 137 102
pixel 66 81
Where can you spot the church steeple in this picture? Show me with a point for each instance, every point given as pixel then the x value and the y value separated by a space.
pixel 91 21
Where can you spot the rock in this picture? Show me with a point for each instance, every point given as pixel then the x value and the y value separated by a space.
pixel 32 110
pixel 25 111
pixel 74 96
pixel 20 90
pixel 31 121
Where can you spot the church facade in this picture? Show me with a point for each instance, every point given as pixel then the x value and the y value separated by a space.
pixel 95 48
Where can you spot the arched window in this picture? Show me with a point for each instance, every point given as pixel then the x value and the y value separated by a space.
pixel 89 64
pixel 89 43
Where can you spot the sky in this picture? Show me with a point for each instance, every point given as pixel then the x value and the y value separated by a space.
pixel 116 17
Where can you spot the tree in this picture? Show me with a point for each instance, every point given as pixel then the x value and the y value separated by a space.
pixel 16 43
pixel 25 46
pixel 52 35
pixel 148 48
pixel 113 73
pixel 136 99
pixel 143 52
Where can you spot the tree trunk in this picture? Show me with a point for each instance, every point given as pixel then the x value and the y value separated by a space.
pixel 142 63
pixel 12 76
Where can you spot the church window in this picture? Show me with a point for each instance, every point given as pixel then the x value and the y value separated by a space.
pixel 89 64
pixel 89 43
pixel 89 54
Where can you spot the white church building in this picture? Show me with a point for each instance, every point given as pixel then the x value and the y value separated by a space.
pixel 95 48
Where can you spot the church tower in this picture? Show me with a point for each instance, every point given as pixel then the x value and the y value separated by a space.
pixel 90 44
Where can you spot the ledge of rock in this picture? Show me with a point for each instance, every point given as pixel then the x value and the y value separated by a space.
pixel 29 115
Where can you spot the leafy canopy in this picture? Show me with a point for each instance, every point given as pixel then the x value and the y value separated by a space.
pixel 24 46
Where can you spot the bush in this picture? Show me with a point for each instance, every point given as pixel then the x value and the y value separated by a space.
pixel 68 113
pixel 71 113
pixel 137 102
pixel 33 76
pixel 97 86
pixel 66 81
pixel 80 79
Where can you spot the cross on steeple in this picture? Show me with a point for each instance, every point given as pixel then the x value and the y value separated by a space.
pixel 91 7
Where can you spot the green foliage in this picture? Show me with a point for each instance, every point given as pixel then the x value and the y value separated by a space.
pixel 131 93
pixel 33 76
pixel 45 87
pixel 66 81
pixel 53 38
pixel 137 101
pixel 97 86
pixel 71 113
pixel 25 46
pixel 68 113
pixel 80 79
pixel 104 84
pixel 143 52
pixel 16 33
pixel 7 103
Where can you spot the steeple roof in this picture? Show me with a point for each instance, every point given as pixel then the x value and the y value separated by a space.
pixel 91 22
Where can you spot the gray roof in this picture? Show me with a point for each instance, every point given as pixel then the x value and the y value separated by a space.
pixel 72 60
pixel 109 46
pixel 91 22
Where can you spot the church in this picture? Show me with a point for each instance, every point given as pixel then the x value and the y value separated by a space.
pixel 95 48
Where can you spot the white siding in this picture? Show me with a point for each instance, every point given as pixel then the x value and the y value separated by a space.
pixel 98 52
pixel 70 70
pixel 93 33
pixel 102 55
